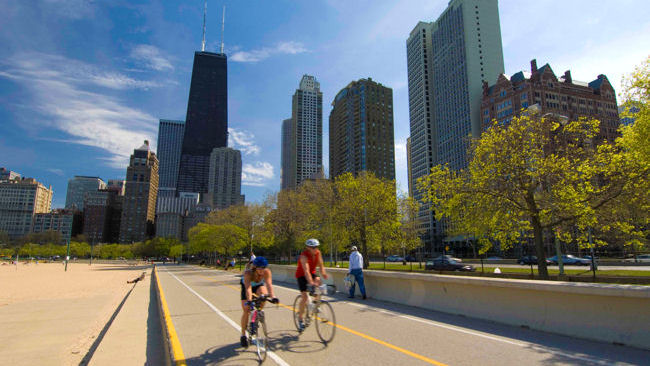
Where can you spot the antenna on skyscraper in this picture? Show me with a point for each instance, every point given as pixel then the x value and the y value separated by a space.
pixel 223 22
pixel 205 10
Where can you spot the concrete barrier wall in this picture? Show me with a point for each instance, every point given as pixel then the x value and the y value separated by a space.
pixel 604 312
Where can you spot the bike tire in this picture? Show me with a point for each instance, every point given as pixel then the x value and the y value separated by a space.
pixel 261 340
pixel 296 308
pixel 325 321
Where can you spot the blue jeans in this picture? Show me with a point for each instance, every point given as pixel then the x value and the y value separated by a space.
pixel 358 278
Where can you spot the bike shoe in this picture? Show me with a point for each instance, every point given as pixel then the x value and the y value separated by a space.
pixel 244 341
pixel 301 326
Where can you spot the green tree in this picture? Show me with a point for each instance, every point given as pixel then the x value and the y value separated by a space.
pixel 286 221
pixel 249 217
pixel 533 175
pixel 409 231
pixel 366 206
pixel 79 249
pixel 176 250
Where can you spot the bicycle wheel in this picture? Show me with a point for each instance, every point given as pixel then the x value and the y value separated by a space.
pixel 296 308
pixel 260 339
pixel 325 321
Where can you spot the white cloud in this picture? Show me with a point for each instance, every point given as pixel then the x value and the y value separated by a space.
pixel 243 140
pixel 151 57
pixel 257 174
pixel 290 48
pixel 63 96
pixel 56 171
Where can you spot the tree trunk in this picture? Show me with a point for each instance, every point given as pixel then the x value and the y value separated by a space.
pixel 539 247
pixel 364 248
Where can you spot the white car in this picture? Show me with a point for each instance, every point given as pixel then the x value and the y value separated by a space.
pixel 640 258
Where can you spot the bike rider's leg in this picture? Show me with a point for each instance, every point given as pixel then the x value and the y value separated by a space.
pixel 244 323
pixel 261 291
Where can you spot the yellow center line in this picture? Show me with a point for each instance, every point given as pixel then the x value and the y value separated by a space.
pixel 177 350
pixel 362 335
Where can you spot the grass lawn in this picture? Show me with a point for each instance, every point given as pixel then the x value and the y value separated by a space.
pixel 392 266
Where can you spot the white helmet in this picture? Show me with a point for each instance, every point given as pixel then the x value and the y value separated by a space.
pixel 312 243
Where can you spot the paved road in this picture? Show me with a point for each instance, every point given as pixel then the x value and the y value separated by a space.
pixel 205 311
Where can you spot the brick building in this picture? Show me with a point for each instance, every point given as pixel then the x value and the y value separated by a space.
pixel 562 96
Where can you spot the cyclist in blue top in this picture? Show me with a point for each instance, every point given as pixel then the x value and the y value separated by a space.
pixel 256 280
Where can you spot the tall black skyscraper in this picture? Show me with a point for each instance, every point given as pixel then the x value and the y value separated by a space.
pixel 206 124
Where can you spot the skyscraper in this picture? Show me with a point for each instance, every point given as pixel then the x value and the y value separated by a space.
pixel 361 130
pixel 304 137
pixel 20 200
pixel 77 189
pixel 170 143
pixel 448 60
pixel 466 51
pixel 206 123
pixel 225 178
pixel 288 170
pixel 139 207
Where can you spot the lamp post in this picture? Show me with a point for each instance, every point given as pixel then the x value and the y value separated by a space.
pixel 67 256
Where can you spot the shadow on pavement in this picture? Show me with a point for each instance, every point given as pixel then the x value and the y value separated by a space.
pixel 230 354
pixel 155 342
pixel 289 341
pixel 100 337
pixel 559 348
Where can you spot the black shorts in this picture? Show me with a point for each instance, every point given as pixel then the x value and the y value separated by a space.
pixel 243 290
pixel 302 282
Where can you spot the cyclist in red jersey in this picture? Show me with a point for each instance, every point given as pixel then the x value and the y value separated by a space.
pixel 310 258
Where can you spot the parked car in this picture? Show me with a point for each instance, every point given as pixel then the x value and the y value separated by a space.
pixel 571 259
pixel 394 258
pixel 449 257
pixel 639 258
pixel 494 258
pixel 530 259
pixel 445 264
pixel 411 258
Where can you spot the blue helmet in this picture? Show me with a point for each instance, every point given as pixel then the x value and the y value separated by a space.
pixel 260 262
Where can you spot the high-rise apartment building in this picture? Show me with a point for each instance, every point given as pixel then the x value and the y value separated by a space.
pixel 361 130
pixel 560 96
pixel 20 200
pixel 448 60
pixel 8 174
pixel 102 215
pixel 57 220
pixel 78 187
pixel 118 184
pixel 170 143
pixel 224 187
pixel 409 168
pixel 172 213
pixel 139 208
pixel 288 168
pixel 206 123
pixel 302 135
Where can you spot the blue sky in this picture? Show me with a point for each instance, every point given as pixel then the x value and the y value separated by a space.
pixel 84 82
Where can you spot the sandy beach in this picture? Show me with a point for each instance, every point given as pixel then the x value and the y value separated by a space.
pixel 51 317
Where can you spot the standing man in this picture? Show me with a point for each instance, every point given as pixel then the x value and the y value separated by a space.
pixel 356 269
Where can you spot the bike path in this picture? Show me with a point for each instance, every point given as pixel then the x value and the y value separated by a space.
pixel 370 332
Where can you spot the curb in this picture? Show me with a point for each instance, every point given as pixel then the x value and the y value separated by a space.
pixel 173 351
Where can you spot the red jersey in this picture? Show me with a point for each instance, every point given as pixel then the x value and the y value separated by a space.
pixel 311 260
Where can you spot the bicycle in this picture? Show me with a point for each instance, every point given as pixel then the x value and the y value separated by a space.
pixel 320 310
pixel 257 326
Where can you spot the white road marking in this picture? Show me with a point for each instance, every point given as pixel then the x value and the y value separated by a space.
pixel 475 333
pixel 232 323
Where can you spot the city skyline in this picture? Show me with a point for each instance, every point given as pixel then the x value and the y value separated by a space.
pixel 107 90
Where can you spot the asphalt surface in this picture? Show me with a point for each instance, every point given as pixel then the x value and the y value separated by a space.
pixel 205 310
